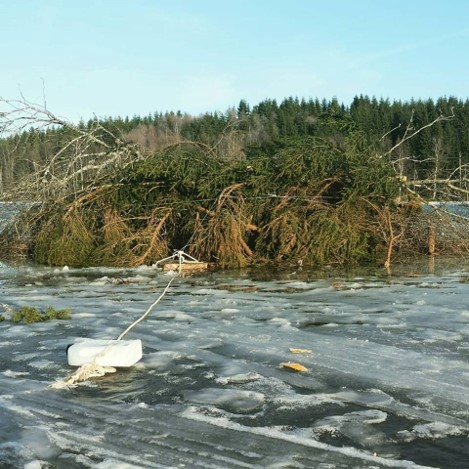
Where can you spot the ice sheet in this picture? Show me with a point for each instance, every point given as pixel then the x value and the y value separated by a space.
pixel 388 372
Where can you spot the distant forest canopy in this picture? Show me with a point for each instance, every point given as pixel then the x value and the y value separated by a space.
pixel 434 152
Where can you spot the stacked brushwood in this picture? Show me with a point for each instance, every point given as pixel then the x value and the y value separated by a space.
pixel 304 200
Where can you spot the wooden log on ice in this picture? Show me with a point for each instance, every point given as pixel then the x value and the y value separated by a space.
pixel 431 240
pixel 185 266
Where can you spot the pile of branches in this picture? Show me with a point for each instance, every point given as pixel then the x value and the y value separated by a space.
pixel 303 201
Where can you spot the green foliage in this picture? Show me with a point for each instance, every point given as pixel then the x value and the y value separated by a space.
pixel 284 182
pixel 319 215
pixel 266 122
pixel 52 313
pixel 64 239
pixel 288 200
pixel 31 314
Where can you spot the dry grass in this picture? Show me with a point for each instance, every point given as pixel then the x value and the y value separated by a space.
pixel 221 233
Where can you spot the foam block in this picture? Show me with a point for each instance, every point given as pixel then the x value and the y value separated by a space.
pixel 117 353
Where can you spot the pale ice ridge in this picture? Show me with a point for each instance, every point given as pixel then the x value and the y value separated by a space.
pixel 274 433
pixel 160 434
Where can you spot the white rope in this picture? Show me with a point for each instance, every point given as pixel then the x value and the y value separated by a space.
pixel 85 372
pixel 93 369
pixel 147 312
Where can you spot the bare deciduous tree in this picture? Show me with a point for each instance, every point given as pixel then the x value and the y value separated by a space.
pixel 81 160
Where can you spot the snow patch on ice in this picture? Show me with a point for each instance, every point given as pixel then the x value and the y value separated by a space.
pixel 15 374
pixel 84 315
pixel 208 291
pixel 37 443
pixel 371 416
pixel 114 464
pixel 231 400
pixel 432 430
pixel 161 360
pixel 42 364
pixel 279 321
pixel 296 401
pixel 174 315
pixel 229 310
pixel 298 285
pixel 239 378
pixel 193 413
pixel 36 464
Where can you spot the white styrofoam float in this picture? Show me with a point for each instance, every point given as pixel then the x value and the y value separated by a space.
pixel 115 353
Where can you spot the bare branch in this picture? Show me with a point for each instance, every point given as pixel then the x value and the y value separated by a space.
pixel 390 132
pixel 81 161
pixel 410 132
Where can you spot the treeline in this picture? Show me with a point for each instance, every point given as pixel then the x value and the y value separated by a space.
pixel 436 151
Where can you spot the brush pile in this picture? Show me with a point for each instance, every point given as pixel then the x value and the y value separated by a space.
pixel 308 201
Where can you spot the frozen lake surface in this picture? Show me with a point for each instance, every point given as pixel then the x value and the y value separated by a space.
pixel 387 382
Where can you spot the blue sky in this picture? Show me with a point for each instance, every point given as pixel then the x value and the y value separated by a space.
pixel 126 57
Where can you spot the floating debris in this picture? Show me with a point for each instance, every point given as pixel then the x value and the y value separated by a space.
pixel 294 366
pixel 185 266
pixel 300 350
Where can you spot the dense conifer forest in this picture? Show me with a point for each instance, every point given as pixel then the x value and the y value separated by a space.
pixel 435 152
pixel 302 181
